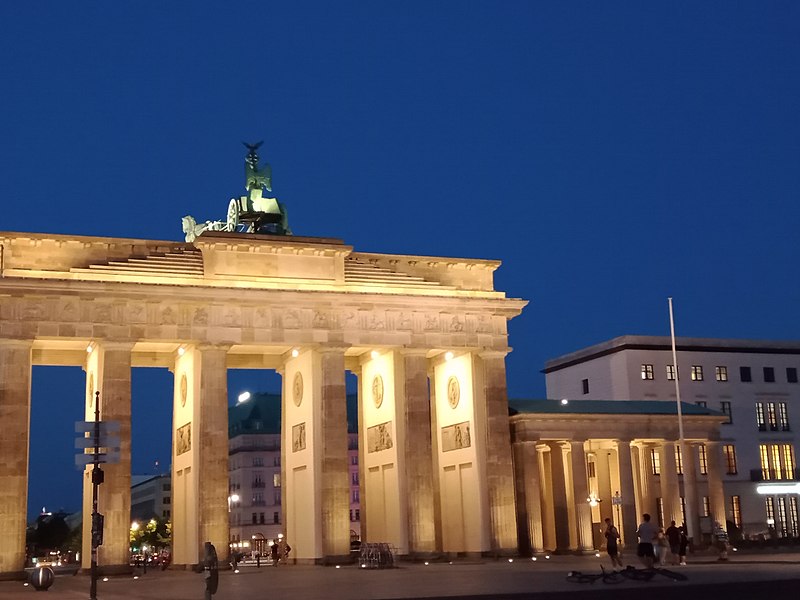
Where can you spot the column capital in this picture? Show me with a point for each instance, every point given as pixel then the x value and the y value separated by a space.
pixel 16 343
pixel 205 347
pixel 331 349
pixel 542 448
pixel 490 353
pixel 621 441
pixel 106 345
pixel 413 352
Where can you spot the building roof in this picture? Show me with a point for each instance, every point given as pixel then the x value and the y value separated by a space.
pixel 606 407
pixel 262 414
pixel 141 479
pixel 682 344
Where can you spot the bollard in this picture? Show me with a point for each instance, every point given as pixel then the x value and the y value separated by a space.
pixel 42 578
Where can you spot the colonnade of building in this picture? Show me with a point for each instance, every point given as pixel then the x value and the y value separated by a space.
pixel 435 450
pixel 566 488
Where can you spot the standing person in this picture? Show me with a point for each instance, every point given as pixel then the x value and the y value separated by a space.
pixel 684 545
pixel 674 539
pixel 721 540
pixel 646 532
pixel 661 546
pixel 210 570
pixel 612 547
pixel 274 554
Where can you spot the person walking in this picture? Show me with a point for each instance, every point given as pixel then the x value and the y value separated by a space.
pixel 721 540
pixel 674 538
pixel 684 546
pixel 661 547
pixel 646 532
pixel 274 552
pixel 210 570
pixel 612 543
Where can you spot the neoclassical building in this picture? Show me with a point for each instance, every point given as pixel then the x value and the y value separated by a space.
pixel 426 336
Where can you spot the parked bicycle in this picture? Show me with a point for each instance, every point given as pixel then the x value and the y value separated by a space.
pixel 609 577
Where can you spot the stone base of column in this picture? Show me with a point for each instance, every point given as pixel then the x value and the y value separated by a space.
pixel 13 576
pixel 500 553
pixel 110 570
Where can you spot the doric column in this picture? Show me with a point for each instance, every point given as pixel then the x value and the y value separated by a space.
pixel 580 485
pixel 670 491
pixel 689 460
pixel 212 438
pixel 418 451
pixel 335 484
pixel 646 483
pixel 626 492
pixel 15 394
pixel 108 371
pixel 561 508
pixel 716 492
pixel 543 453
pixel 529 503
pixel 499 471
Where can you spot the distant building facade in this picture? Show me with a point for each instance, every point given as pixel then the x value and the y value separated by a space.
pixel 255 494
pixel 151 496
pixel 754 384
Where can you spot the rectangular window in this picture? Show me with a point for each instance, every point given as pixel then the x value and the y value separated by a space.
pixel 760 419
pixel 725 408
pixel 793 520
pixel 736 510
pixel 769 375
pixel 647 372
pixel 276 518
pixel 660 511
pixel 683 509
pixel 355 497
pixel 706 507
pixel 261 518
pixel 276 461
pixel 276 480
pixel 655 461
pixel 697 373
pixel 585 385
pixel 702 403
pixel 783 416
pixel 678 459
pixel 775 461
pixel 769 507
pixel 745 375
pixel 782 515
pixel 788 461
pixel 276 499
pixel 354 478
pixel 701 451
pixel 772 417
pixel 255 518
pixel 791 374
pixel 763 452
pixel 730 458
pixel 358 514
pixel 258 461
pixel 670 372
pixel 721 373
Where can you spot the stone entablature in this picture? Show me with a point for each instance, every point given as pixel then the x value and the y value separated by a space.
pixel 243 261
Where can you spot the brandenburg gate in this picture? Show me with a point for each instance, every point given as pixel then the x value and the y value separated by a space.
pixel 427 338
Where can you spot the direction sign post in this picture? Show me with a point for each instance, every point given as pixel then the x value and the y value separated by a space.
pixel 95 435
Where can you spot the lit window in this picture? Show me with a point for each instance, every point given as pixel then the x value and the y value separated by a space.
pixel 736 510
pixel 706 507
pixel 678 459
pixel 783 416
pixel 671 372
pixel 725 408
pixel 730 458
pixel 793 520
pixel 760 420
pixel 276 480
pixel 772 418
pixel 697 373
pixel 782 515
pixel 655 460
pixel 721 373
pixel 769 506
pixel 788 460
pixel 769 375
pixel 660 510
pixel 701 450
pixel 745 375
pixel 647 372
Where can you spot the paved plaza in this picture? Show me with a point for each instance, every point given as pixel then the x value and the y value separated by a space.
pixel 742 576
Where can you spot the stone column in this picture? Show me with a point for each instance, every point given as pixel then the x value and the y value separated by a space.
pixel 561 508
pixel 580 485
pixel 646 482
pixel 499 470
pixel 546 494
pixel 689 459
pixel 15 396
pixel 334 476
pixel 716 492
pixel 626 492
pixel 212 440
pixel 670 490
pixel 418 452
pixel 109 371
pixel 529 502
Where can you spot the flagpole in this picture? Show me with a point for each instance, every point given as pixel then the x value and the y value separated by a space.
pixel 689 497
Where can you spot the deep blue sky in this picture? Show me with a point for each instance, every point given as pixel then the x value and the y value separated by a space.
pixel 610 154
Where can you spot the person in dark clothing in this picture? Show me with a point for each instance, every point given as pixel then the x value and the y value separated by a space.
pixel 684 546
pixel 210 570
pixel 274 553
pixel 674 538
pixel 612 540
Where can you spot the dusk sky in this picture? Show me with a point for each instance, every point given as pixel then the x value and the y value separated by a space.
pixel 609 154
